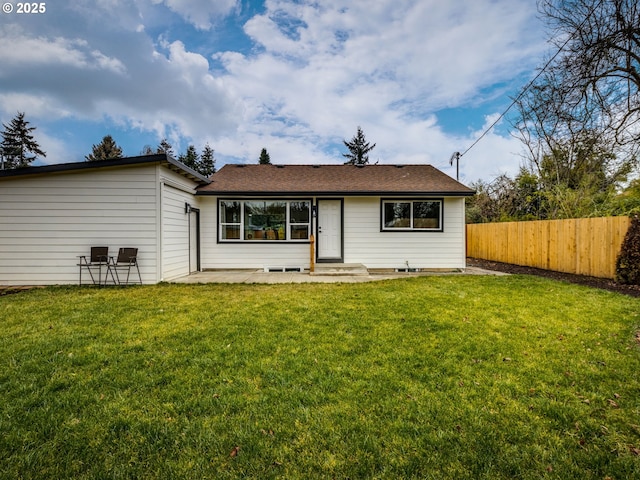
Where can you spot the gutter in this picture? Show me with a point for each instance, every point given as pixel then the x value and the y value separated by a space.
pixel 306 193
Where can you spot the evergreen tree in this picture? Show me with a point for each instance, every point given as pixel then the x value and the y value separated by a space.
pixel 18 143
pixel 265 159
pixel 628 262
pixel 207 164
pixel 105 150
pixel 165 147
pixel 190 158
pixel 359 149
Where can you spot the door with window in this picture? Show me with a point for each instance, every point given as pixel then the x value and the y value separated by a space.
pixel 330 230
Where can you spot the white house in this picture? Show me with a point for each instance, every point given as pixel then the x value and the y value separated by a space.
pixel 383 216
pixel 245 216
pixel 51 214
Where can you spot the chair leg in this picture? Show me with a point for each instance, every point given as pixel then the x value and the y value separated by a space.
pixel 88 267
pixel 93 280
pixel 104 282
pixel 106 277
pixel 132 264
pixel 111 268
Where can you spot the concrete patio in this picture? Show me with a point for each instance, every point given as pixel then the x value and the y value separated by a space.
pixel 259 276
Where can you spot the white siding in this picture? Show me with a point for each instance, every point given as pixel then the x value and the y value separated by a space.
pixel 208 220
pixel 175 225
pixel 243 255
pixel 365 243
pixel 46 221
pixel 232 256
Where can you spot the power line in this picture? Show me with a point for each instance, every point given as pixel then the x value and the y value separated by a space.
pixel 456 155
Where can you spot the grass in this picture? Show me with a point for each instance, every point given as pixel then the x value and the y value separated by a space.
pixel 432 377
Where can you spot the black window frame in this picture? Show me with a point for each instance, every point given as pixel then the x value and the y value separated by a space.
pixel 411 227
pixel 241 224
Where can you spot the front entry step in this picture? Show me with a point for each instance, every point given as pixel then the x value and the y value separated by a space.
pixel 338 269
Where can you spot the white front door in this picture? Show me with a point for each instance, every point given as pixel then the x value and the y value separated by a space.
pixel 330 230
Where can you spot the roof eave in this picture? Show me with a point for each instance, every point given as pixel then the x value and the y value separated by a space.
pixel 115 162
pixel 327 193
pixel 189 172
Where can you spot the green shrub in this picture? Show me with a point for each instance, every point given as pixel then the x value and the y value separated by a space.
pixel 628 262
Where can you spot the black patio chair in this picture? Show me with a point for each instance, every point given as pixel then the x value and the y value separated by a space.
pixel 98 259
pixel 127 259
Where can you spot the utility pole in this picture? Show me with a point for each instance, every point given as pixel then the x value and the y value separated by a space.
pixel 456 156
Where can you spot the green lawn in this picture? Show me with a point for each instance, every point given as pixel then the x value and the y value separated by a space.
pixel 430 377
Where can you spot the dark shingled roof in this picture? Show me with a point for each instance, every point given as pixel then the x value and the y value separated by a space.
pixel 340 180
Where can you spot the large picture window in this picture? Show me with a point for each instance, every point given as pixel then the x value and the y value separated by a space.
pixel 264 220
pixel 412 215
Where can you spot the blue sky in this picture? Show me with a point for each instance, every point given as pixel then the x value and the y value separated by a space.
pixel 423 78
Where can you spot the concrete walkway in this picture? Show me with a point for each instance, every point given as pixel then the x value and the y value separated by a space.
pixel 259 276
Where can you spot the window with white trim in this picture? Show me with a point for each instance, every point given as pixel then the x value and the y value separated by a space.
pixel 264 220
pixel 400 215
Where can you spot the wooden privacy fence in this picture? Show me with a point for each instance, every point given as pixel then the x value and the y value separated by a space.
pixel 584 246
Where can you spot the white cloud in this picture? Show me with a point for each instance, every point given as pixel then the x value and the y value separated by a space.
pixel 174 94
pixel 387 66
pixel 19 49
pixel 439 51
pixel 318 70
pixel 200 12
pixel 57 151
pixel 186 62
pixel 38 106
pixel 135 85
